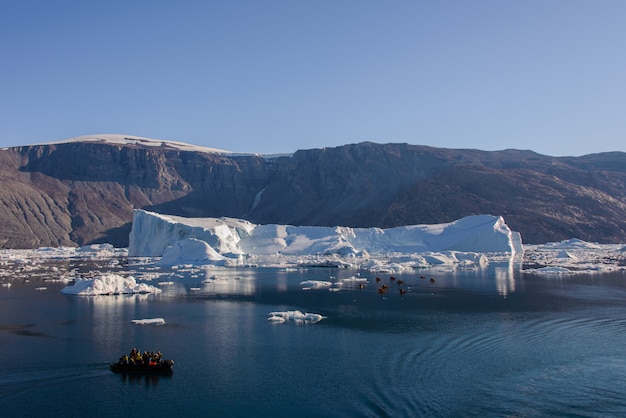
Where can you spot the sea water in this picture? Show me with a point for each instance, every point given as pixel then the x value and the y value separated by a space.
pixel 488 342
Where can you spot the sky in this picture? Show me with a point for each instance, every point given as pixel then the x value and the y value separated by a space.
pixel 275 76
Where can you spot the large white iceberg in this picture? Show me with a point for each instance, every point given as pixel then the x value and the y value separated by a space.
pixel 156 235
pixel 108 284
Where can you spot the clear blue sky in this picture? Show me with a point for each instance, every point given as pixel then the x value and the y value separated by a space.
pixel 276 76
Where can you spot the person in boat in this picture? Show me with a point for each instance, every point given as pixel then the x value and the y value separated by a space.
pixel 137 358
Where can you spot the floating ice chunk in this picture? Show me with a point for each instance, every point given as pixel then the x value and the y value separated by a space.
pixel 551 270
pixel 100 250
pixel 41 288
pixel 6 284
pixel 276 318
pixel 109 284
pixel 353 281
pixel 149 321
pixel 312 318
pixel 58 280
pixel 315 284
pixel 296 316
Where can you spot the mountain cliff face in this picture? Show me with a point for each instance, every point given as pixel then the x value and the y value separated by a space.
pixel 77 193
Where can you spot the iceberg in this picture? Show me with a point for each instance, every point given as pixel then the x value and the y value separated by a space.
pixel 148 321
pixel 190 251
pixel 109 284
pixel 151 233
pixel 296 316
pixel 315 284
pixel 181 240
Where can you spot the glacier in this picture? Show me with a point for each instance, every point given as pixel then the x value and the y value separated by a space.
pixel 179 240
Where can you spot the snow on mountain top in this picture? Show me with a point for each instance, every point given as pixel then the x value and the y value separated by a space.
pixel 139 141
pixel 160 143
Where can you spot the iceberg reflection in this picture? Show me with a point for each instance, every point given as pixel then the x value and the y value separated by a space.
pixel 505 277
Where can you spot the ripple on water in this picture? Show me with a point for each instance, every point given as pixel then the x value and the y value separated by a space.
pixel 590 387
pixel 505 366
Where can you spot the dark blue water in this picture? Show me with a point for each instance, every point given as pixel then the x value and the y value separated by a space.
pixel 487 343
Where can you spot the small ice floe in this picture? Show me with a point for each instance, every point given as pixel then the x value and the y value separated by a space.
pixel 165 283
pixel 149 321
pixel 354 281
pixel 550 270
pixel 108 284
pixel 315 284
pixel 6 284
pixel 195 289
pixel 276 318
pixel 295 316
pixel 96 250
pixel 62 279
pixel 41 288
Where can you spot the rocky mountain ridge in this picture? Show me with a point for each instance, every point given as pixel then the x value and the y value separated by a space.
pixel 82 192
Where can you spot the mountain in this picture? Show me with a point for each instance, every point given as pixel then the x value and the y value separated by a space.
pixel 83 191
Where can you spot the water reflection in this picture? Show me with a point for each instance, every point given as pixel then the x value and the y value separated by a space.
pixel 110 312
pixel 144 379
pixel 108 302
pixel 505 280
pixel 229 286
pixel 207 282
pixel 505 276
pixel 471 343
